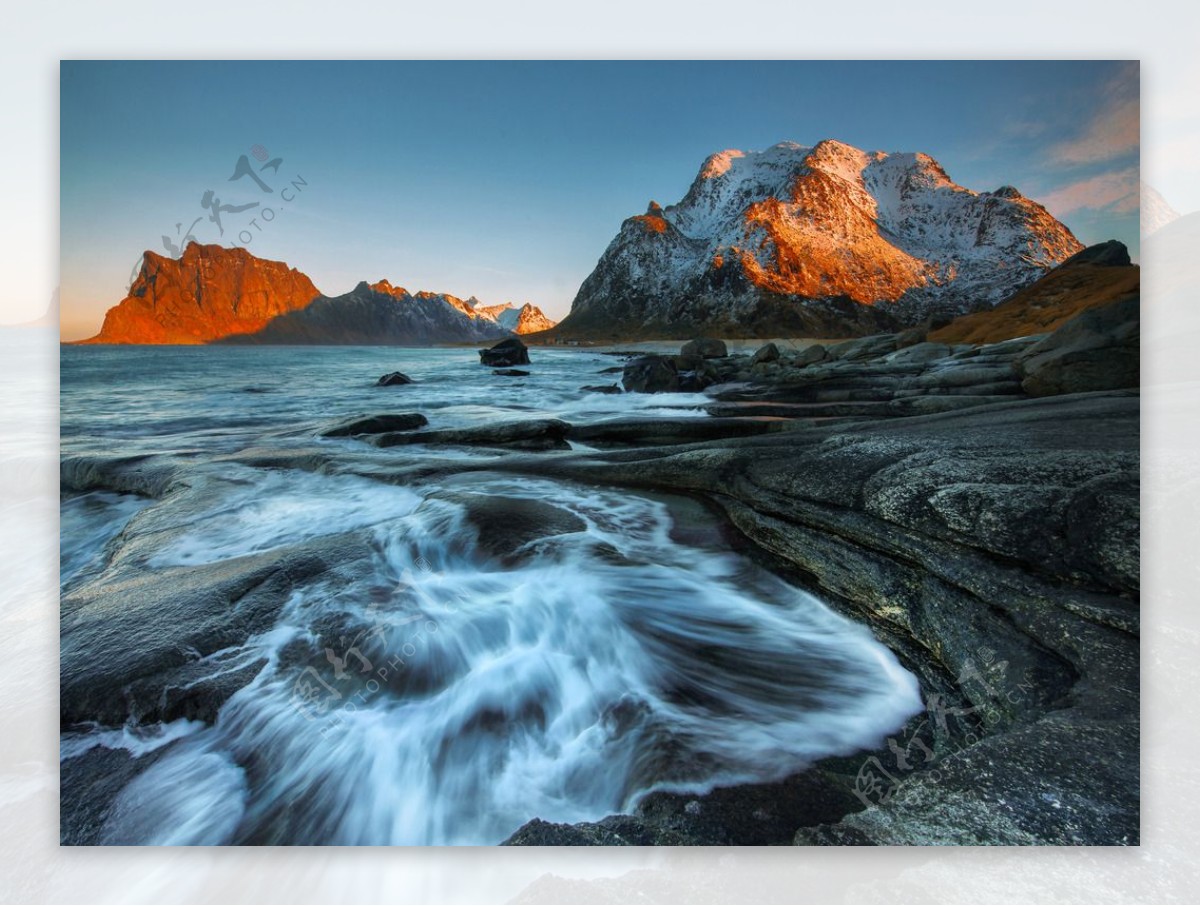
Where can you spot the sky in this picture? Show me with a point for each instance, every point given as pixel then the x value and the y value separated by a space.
pixel 507 180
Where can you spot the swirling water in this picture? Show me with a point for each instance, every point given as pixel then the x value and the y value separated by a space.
pixel 430 689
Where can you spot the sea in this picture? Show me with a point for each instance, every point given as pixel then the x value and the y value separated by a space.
pixel 427 690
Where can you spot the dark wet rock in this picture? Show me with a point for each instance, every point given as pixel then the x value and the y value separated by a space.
pixel 919 352
pixel 966 375
pixel 506 526
pixel 615 830
pixel 534 434
pixel 811 355
pixel 768 353
pixel 141 474
pixel 651 431
pixel 651 374
pixel 88 787
pixel 1098 350
pixel 197 691
pixel 669 374
pixel 764 814
pixel 695 373
pixel 393 379
pixel 601 388
pixel 377 424
pixel 505 354
pixel 511 372
pixel 706 348
pixel 122 663
pixel 615 369
pixel 1030 786
pixel 864 348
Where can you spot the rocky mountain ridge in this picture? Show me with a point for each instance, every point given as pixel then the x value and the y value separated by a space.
pixel 822 241
pixel 217 294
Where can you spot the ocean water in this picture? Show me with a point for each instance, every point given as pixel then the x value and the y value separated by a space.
pixel 428 688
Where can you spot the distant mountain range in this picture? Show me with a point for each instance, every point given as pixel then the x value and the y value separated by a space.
pixel 217 294
pixel 822 241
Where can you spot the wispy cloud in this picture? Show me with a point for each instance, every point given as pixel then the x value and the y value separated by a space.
pixel 1116 192
pixel 1114 129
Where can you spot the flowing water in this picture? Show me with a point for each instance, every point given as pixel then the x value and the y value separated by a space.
pixel 430 687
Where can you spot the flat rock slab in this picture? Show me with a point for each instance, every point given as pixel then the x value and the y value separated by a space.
pixel 377 424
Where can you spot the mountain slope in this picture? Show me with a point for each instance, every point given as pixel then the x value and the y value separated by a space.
pixel 829 239
pixel 524 320
pixel 1098 275
pixel 209 292
pixel 378 314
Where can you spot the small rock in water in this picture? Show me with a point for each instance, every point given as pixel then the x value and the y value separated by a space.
pixel 705 348
pixel 505 354
pixel 651 374
pixel 668 374
pixel 768 353
pixel 377 424
pixel 511 372
pixel 601 388
pixel 393 379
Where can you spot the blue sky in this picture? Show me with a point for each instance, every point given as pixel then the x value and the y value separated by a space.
pixel 507 180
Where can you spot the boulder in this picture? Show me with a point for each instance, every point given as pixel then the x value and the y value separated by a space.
pixel 768 353
pixel 705 348
pixel 651 374
pixel 1097 350
pixel 505 354
pixel 695 373
pixel 393 379
pixel 511 372
pixel 377 424
pixel 1103 254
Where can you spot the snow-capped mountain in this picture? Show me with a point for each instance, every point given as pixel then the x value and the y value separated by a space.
pixel 525 319
pixel 825 240
pixel 1156 211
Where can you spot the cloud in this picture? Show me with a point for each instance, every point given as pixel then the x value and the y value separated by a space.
pixel 1114 129
pixel 1116 192
pixel 1113 132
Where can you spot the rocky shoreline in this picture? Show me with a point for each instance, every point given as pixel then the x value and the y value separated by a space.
pixel 975 506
